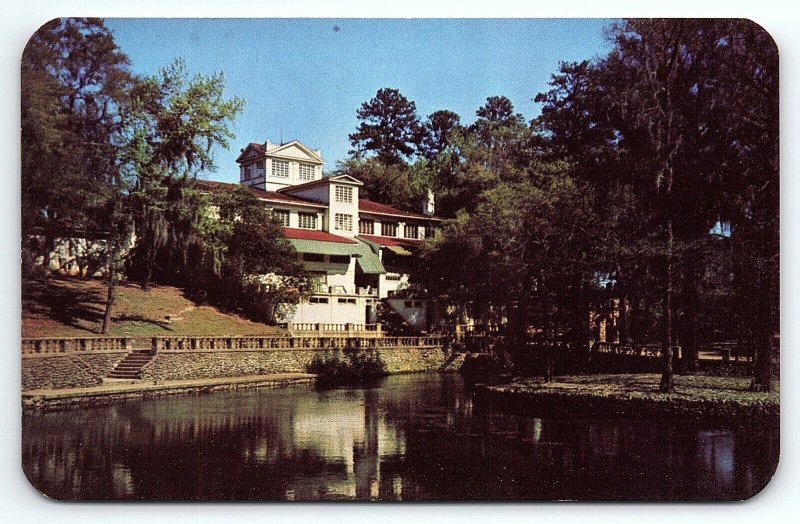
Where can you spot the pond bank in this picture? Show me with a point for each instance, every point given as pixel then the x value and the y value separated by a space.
pixel 632 395
pixel 116 391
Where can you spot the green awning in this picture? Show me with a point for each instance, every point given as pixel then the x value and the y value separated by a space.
pixel 368 261
pixel 322 247
pixel 397 250
pixel 328 268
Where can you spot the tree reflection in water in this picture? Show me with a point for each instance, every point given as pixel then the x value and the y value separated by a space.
pixel 414 437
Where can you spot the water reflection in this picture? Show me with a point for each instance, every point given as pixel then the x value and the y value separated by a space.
pixel 413 438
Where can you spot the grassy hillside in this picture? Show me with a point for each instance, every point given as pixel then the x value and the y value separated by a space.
pixel 71 307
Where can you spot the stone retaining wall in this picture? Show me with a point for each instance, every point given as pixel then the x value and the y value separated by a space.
pixel 70 370
pixel 181 365
pixel 412 360
pixel 88 369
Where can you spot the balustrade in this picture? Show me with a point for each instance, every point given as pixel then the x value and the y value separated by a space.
pixel 32 346
pixel 329 340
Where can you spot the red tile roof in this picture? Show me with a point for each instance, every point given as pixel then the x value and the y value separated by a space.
pixel 315 234
pixel 391 241
pixel 368 206
pixel 259 148
pixel 213 185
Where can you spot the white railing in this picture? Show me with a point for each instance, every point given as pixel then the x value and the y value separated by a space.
pixel 340 340
pixel 48 345
pixel 331 330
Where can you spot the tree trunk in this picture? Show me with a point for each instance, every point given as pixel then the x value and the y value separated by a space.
pixel 149 262
pixel 112 286
pixel 624 320
pixel 667 382
pixel 690 314
pixel 762 369
pixel 550 335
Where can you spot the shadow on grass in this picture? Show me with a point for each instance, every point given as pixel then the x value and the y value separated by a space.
pixel 78 304
pixel 163 324
pixel 58 299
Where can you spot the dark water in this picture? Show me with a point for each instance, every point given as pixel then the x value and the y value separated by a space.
pixel 416 437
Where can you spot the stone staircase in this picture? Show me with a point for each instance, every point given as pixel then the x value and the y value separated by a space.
pixel 453 362
pixel 130 367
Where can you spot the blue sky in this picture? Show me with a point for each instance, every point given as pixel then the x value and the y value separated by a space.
pixel 304 79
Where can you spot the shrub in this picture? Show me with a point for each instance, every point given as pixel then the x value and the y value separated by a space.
pixel 347 367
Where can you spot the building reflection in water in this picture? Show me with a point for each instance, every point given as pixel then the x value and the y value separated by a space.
pixel 412 438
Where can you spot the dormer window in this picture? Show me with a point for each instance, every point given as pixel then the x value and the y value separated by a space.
pixel 254 170
pixel 306 172
pixel 280 168
pixel 344 194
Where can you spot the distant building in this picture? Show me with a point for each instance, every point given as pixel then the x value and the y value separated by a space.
pixel 358 252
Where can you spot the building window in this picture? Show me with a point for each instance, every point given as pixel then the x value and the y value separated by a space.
pixel 280 168
pixel 393 277
pixel 347 301
pixel 307 220
pixel 318 300
pixel 319 282
pixel 306 172
pixel 411 231
pixel 344 194
pixel 339 259
pixel 429 232
pixel 343 222
pixel 313 257
pixel 366 227
pixel 254 170
pixel 282 215
pixel 389 229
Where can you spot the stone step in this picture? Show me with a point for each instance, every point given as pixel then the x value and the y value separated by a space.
pixel 124 375
pixel 130 367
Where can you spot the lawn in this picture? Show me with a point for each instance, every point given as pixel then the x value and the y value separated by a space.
pixel 72 307
pixel 636 394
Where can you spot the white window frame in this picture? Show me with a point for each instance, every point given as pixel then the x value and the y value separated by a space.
pixel 283 215
pixel 366 230
pixel 413 228
pixel 280 173
pixel 311 217
pixel 306 172
pixel 343 222
pixel 387 225
pixel 343 194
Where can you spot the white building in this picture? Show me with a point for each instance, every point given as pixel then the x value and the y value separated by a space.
pixel 357 251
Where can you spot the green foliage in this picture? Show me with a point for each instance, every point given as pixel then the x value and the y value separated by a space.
pixel 395 184
pixel 347 367
pixel 74 88
pixel 177 121
pixel 389 127
pixel 243 262
pixel 437 132
pixel 519 244
pixel 75 84
pixel 677 130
